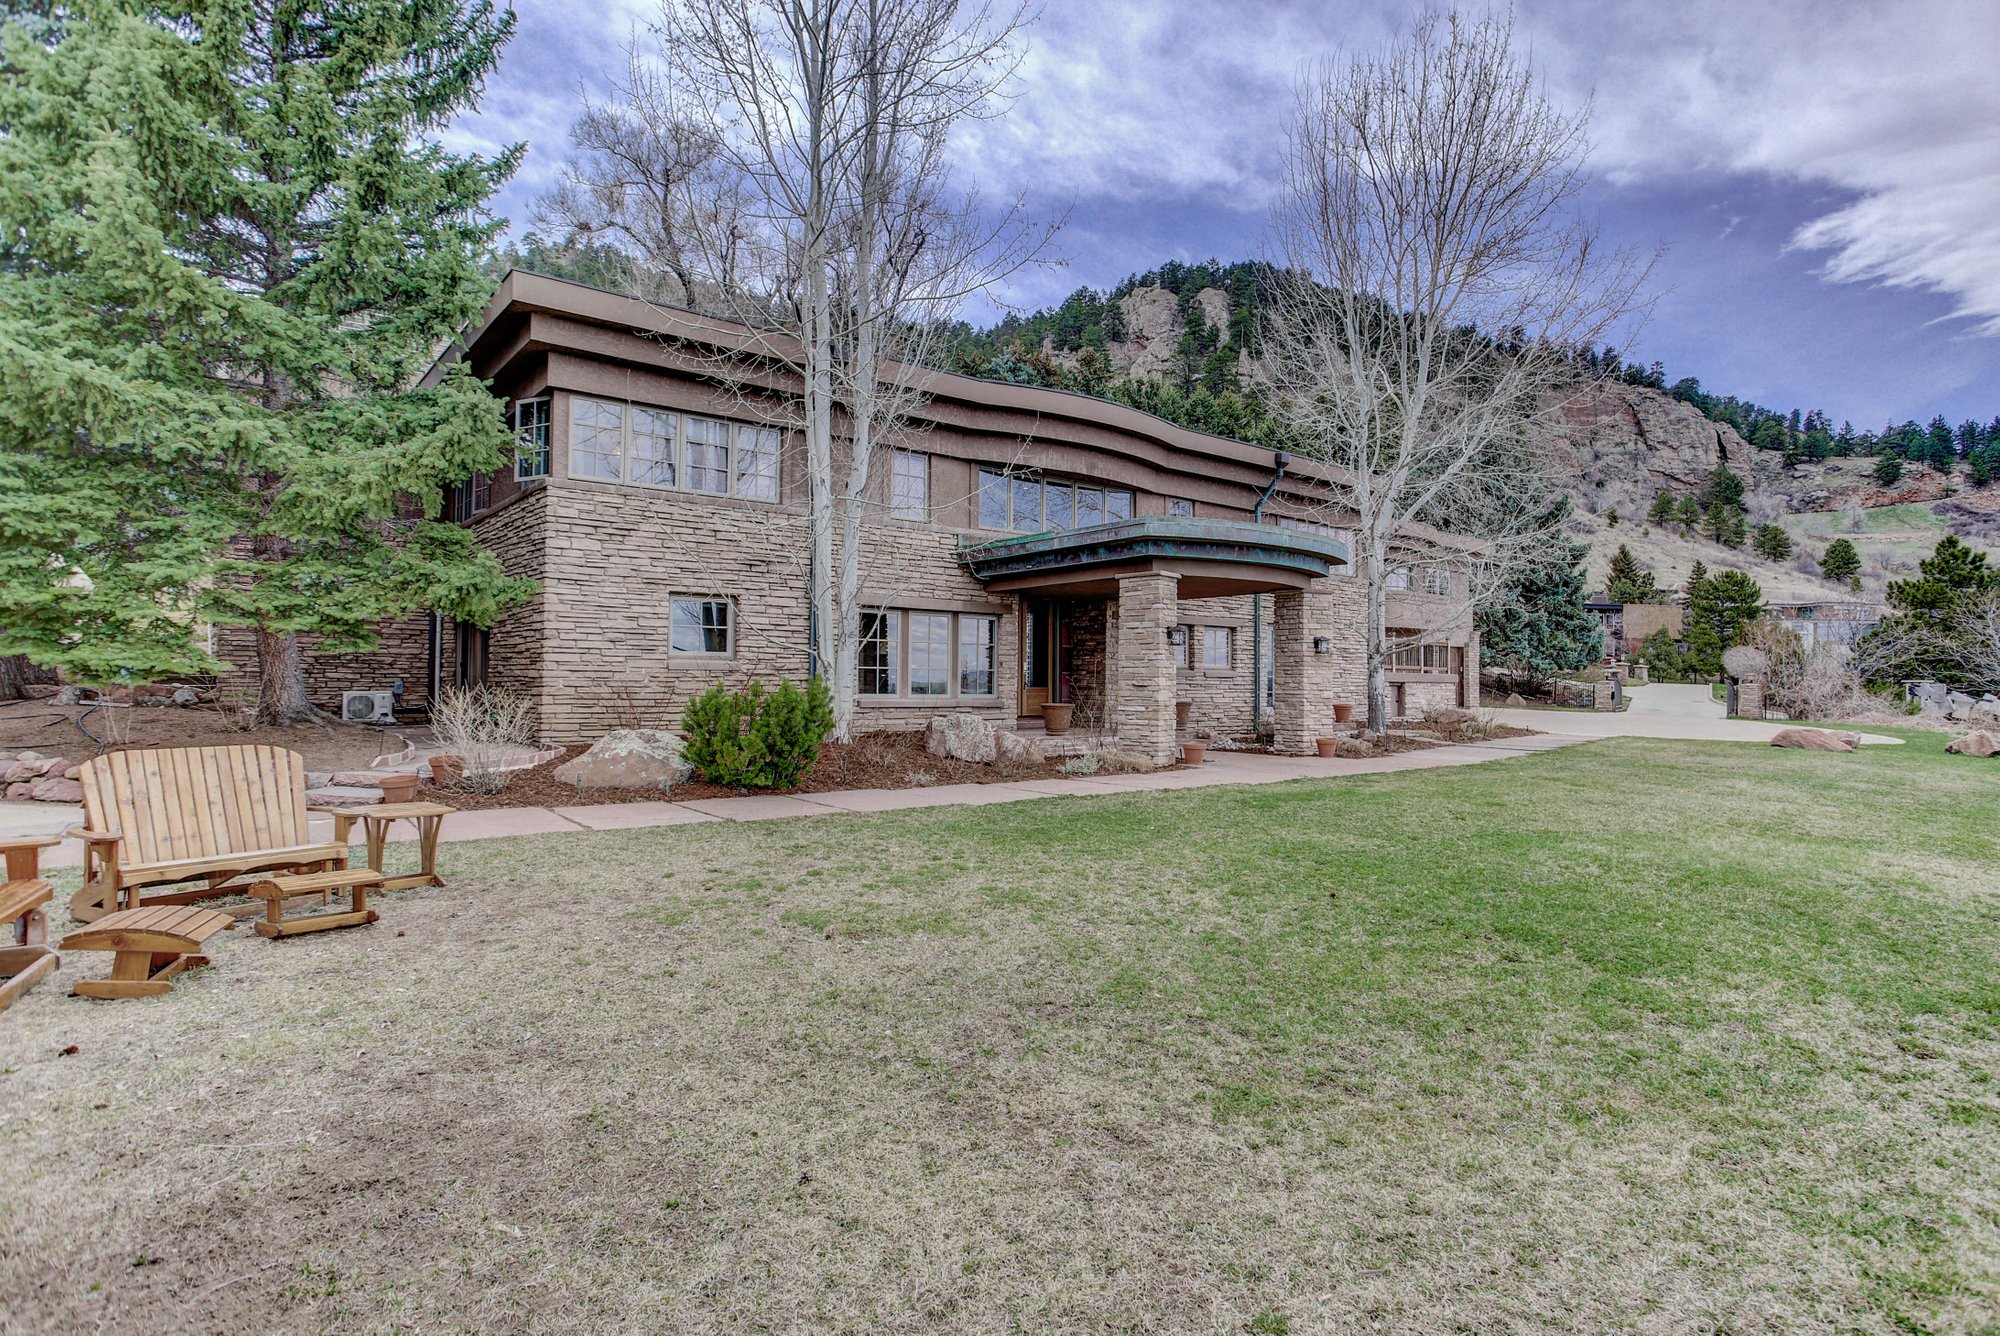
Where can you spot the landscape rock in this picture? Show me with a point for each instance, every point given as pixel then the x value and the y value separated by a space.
pixel 630 758
pixel 56 791
pixel 355 779
pixel 17 792
pixel 1515 700
pixel 343 796
pixel 1013 749
pixel 1977 743
pixel 70 696
pixel 1815 739
pixel 962 737
pixel 1353 749
pixel 184 696
pixel 29 766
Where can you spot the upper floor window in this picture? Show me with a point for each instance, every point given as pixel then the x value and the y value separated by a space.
pixel 470 497
pixel 650 447
pixel 909 485
pixel 1399 578
pixel 1032 505
pixel 1180 507
pixel 1345 537
pixel 531 439
pixel 1436 581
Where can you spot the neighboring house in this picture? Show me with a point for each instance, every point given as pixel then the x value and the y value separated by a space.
pixel 1826 623
pixel 1025 546
pixel 1626 625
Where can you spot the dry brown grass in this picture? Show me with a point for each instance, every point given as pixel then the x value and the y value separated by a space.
pixel 1178 1062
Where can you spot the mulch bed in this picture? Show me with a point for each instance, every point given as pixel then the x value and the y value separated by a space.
pixel 871 761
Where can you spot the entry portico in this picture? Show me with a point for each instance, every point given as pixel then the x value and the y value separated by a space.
pixel 1138 573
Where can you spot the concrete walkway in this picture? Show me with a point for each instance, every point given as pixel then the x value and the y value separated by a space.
pixel 1219 769
pixel 1661 710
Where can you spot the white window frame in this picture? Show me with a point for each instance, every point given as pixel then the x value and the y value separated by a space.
pixel 1012 485
pixel 901 645
pixel 1398 577
pixel 1213 637
pixel 672 459
pixel 758 452
pixel 545 451
pixel 1179 507
pixel 577 404
pixel 909 485
pixel 1437 582
pixel 754 473
pixel 701 602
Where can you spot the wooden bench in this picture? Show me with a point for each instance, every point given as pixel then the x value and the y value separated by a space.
pixel 276 890
pixel 152 945
pixel 25 958
pixel 210 815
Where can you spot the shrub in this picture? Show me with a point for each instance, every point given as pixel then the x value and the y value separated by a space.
pixel 757 739
pixel 484 726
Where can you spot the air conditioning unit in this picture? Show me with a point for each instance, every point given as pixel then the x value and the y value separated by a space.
pixel 368 707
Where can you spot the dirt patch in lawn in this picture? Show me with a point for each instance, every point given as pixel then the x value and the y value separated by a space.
pixel 871 761
pixel 60 730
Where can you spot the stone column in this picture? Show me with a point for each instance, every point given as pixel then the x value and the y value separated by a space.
pixel 1143 714
pixel 1750 698
pixel 1303 685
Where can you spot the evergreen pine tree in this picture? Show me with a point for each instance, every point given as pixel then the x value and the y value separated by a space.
pixel 1628 582
pixel 234 247
pixel 1539 624
pixel 1687 513
pixel 1841 562
pixel 1888 471
pixel 1773 543
pixel 1662 510
pixel 1718 610
pixel 1695 578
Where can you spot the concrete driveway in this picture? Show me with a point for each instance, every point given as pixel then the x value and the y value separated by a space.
pixel 1659 710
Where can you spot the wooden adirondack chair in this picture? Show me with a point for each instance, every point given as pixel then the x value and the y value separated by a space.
pixel 25 955
pixel 195 814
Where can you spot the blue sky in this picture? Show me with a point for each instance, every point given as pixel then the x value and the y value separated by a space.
pixel 1825 179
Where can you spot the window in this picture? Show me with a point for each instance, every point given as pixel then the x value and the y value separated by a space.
pixel 1029 505
pixel 702 626
pixel 652 461
pixel 531 439
pixel 922 655
pixel 881 645
pixel 1215 646
pixel 1423 658
pixel 470 497
pixel 975 655
pixel 596 439
pixel 909 485
pixel 708 455
pixel 930 653
pixel 1180 507
pixel 1436 581
pixel 1399 578
pixel 757 463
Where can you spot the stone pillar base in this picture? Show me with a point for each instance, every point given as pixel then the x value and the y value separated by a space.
pixel 1146 676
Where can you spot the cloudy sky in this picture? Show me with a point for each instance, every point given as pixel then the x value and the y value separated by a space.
pixel 1825 178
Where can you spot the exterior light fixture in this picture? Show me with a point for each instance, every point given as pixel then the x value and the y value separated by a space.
pixel 1177 635
pixel 1321 644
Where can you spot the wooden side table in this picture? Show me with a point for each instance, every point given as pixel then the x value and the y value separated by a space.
pixel 376 822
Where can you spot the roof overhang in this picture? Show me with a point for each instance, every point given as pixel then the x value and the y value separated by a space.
pixel 1211 558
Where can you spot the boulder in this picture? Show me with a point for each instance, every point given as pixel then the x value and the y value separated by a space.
pixel 30 766
pixel 71 695
pixel 962 737
pixel 1815 739
pixel 355 779
pixel 184 696
pixel 18 792
pixel 630 758
pixel 56 791
pixel 1977 743
pixel 1515 700
pixel 1013 749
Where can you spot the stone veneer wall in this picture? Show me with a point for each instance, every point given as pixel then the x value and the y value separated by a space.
pixel 1143 706
pixel 518 534
pixel 403 652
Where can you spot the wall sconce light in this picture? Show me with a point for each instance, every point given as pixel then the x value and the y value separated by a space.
pixel 1321 644
pixel 1177 635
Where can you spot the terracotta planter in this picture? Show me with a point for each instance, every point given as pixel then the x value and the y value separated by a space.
pixel 1343 714
pixel 1328 747
pixel 1055 718
pixel 447 769
pixel 399 788
pixel 1194 752
pixel 1182 709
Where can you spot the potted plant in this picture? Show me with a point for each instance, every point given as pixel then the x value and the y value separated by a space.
pixel 447 769
pixel 1343 714
pixel 1328 747
pixel 399 788
pixel 1194 752
pixel 1056 717
pixel 1182 710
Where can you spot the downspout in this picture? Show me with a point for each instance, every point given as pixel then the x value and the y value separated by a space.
pixel 1279 459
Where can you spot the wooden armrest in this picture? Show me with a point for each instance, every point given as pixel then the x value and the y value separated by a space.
pixel 93 836
pixel 334 811
pixel 32 842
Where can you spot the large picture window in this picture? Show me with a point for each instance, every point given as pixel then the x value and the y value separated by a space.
pixel 651 447
pixel 1032 505
pixel 917 655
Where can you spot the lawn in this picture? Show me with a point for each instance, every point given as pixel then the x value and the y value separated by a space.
pixel 1631 1036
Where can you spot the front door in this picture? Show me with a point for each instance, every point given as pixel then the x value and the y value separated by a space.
pixel 1041 634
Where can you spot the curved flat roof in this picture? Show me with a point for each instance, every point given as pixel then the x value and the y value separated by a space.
pixel 1210 557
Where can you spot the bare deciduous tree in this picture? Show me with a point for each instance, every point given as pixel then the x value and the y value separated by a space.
pixel 785 163
pixel 1433 288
